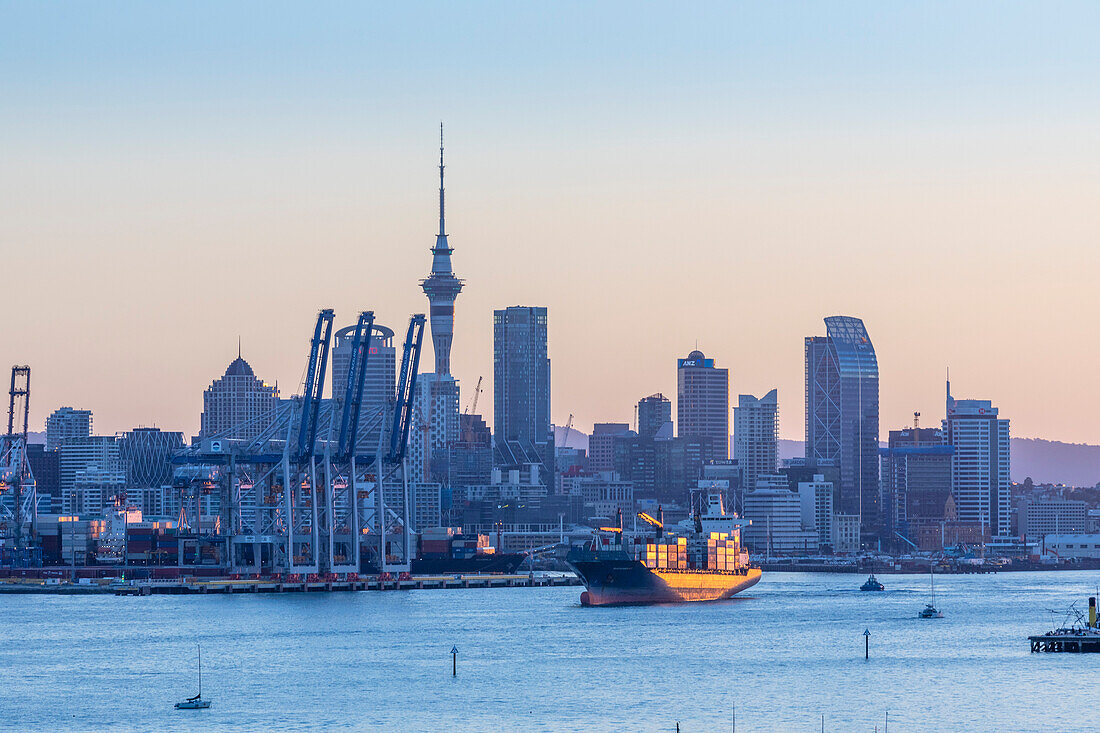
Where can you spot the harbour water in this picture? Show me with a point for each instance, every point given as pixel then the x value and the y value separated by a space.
pixel 786 653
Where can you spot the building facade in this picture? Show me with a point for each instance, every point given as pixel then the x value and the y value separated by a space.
pixel 146 456
pixel 756 435
pixel 916 480
pixel 64 424
pixel 521 385
pixel 238 405
pixel 980 479
pixel 842 414
pixel 702 404
pixel 654 413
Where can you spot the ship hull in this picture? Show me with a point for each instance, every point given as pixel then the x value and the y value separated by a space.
pixel 629 582
pixel 505 563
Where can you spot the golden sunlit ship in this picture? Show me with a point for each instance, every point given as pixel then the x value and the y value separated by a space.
pixel 701 559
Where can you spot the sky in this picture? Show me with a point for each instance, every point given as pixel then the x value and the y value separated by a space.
pixel 175 176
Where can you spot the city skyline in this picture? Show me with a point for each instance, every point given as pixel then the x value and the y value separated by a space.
pixel 959 244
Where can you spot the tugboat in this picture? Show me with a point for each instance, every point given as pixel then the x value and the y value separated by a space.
pixel 930 610
pixel 701 559
pixel 196 702
pixel 872 584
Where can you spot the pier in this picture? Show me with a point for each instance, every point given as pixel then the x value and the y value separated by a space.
pixel 1065 643
pixel 200 586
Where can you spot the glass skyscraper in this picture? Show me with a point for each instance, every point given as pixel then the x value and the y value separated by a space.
pixel 842 414
pixel 521 387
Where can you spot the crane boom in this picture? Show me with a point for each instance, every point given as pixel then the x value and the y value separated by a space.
pixel 353 392
pixel 315 383
pixel 406 386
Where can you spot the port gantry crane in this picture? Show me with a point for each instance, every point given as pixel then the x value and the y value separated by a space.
pixel 295 485
pixel 18 495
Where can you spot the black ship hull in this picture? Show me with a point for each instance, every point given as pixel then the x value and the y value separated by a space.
pixel 506 563
pixel 621 580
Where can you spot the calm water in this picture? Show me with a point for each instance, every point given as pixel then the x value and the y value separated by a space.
pixel 533 659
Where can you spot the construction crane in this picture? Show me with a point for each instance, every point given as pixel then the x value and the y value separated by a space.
pixel 657 525
pixel 406 388
pixel 472 407
pixel 315 383
pixel 568 428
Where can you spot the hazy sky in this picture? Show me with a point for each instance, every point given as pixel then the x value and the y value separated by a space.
pixel 173 175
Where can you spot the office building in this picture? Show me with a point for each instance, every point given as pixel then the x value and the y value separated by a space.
pixel 816 501
pixel 980 483
pixel 521 387
pixel 702 404
pixel 842 392
pixel 1052 515
pixel 379 384
pixel 776 515
pixel 238 405
pixel 654 413
pixel 916 481
pixel 146 456
pixel 45 466
pixel 756 435
pixel 95 489
pixel 97 451
pixel 471 456
pixel 435 426
pixel 602 442
pixel 64 424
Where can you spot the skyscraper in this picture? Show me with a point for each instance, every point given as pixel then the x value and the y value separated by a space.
pixel 842 414
pixel 654 412
pixel 238 405
pixel 916 480
pixel 702 404
pixel 146 456
pixel 980 464
pixel 755 436
pixel 65 423
pixel 521 386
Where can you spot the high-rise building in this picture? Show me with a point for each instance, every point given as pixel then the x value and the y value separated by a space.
pixel 521 386
pixel 379 384
pixel 96 451
pixel 756 435
pixel 980 483
pixel 702 404
pixel 776 515
pixel 916 480
pixel 46 467
pixel 471 456
pixel 842 414
pixel 816 498
pixel 654 413
pixel 146 456
pixel 601 444
pixel 65 423
pixel 238 405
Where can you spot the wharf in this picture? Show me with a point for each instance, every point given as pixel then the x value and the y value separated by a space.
pixel 1074 642
pixel 196 586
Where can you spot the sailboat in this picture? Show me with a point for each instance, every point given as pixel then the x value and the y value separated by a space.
pixel 196 702
pixel 930 610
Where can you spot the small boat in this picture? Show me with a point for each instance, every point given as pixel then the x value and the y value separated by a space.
pixel 196 702
pixel 872 584
pixel 930 610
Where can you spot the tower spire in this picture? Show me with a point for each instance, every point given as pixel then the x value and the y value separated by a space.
pixel 442 230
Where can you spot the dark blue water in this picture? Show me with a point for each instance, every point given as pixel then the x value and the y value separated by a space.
pixel 533 659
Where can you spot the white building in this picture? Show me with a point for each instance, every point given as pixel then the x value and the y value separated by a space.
pixel 65 424
pixel 75 455
pixel 1070 546
pixel 980 465
pixel 1038 517
pixel 94 490
pixel 604 495
pixel 434 426
pixel 755 435
pixel 816 499
pixel 845 533
pixel 776 515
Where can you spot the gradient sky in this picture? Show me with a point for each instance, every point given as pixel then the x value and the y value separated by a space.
pixel 176 175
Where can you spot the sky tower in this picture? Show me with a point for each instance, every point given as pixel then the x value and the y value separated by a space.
pixel 442 287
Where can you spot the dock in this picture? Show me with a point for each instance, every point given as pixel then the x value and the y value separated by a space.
pixel 1073 643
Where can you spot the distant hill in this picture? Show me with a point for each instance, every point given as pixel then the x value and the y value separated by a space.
pixel 1044 461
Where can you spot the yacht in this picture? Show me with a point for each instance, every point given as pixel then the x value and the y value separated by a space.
pixel 196 702
pixel 930 610
pixel 872 584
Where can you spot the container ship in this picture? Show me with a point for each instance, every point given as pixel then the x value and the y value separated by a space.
pixel 701 559
pixel 444 550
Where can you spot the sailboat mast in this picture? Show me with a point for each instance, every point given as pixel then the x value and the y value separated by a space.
pixel 200 669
